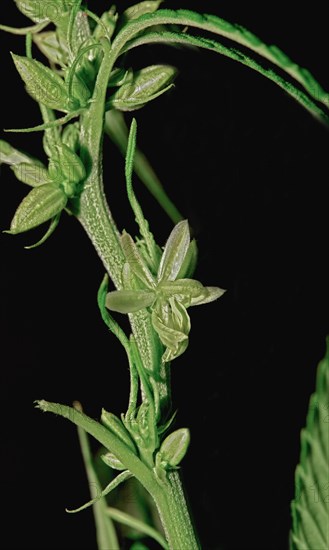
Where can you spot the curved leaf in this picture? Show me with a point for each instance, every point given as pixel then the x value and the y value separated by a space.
pixel 310 508
pixel 174 252
pixel 128 301
pixel 43 84
pixel 40 205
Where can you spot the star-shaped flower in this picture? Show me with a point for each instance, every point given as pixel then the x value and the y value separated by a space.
pixel 168 294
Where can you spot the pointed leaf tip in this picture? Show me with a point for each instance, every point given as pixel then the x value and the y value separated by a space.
pixel 174 252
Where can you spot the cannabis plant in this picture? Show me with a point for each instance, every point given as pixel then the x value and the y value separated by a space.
pixel 79 68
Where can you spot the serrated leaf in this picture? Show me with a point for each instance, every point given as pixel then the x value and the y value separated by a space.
pixel 129 301
pixel 310 508
pixel 39 206
pixel 43 84
pixel 174 252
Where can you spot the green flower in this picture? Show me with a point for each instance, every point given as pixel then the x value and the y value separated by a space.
pixel 168 294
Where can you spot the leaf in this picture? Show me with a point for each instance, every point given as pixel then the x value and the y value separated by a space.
pixel 49 44
pixel 31 174
pixel 310 508
pixel 152 250
pixel 130 521
pixel 188 290
pixel 105 530
pixel 53 224
pixel 117 130
pixel 129 301
pixel 110 487
pixel 136 262
pixel 147 84
pixel 40 205
pixel 174 252
pixel 173 329
pixel 43 84
pixel 111 460
pixel 33 9
pixel 148 6
pixel 174 447
pixel 10 155
pixel 105 437
pixel 212 294
pixel 190 261
pixel 69 165
pixel 71 136
pixel 115 425
pixel 106 24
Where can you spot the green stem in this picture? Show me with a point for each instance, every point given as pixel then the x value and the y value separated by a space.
pixel 174 515
pixel 97 220
pixel 94 213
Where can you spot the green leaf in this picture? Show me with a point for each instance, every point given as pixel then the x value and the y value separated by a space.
pixel 174 252
pixel 40 205
pixel 10 155
pixel 310 508
pixel 174 447
pixel 43 84
pixel 68 165
pixel 128 301
pixel 106 24
pixel 190 261
pixel 110 487
pixel 136 262
pixel 105 530
pixel 53 224
pixel 105 437
pixel 111 460
pixel 34 9
pixel 149 6
pixel 49 44
pixel 151 250
pixel 117 130
pixel 173 326
pixel 187 289
pixel 31 174
pixel 71 136
pixel 147 84
pixel 130 521
pixel 212 294
pixel 115 425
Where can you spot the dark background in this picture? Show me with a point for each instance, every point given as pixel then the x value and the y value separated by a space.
pixel 249 168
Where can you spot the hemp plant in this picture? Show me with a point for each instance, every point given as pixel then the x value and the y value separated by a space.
pixel 82 87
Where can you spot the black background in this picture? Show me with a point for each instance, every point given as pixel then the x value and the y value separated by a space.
pixel 249 168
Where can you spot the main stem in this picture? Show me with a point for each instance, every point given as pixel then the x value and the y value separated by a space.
pixel 97 220
pixel 175 516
